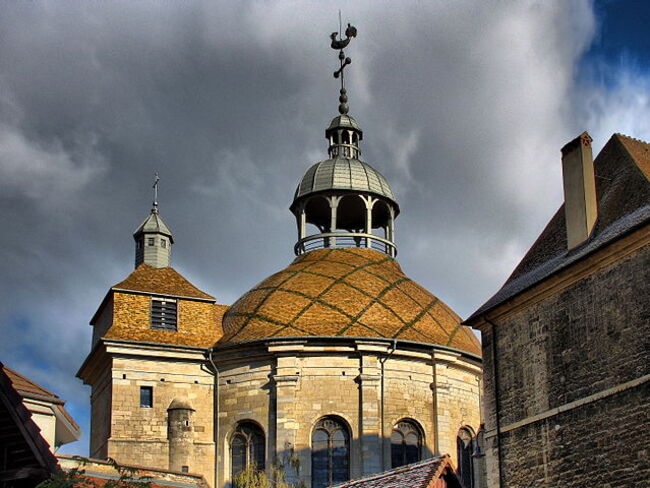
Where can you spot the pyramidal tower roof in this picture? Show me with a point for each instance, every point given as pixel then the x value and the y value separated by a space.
pixel 153 239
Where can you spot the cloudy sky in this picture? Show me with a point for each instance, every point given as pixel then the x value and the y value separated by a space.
pixel 464 106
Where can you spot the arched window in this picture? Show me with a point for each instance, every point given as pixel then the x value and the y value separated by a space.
pixel 330 452
pixel 247 448
pixel 465 449
pixel 405 443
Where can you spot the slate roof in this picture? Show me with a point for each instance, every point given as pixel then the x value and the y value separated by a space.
pixel 154 224
pixel 622 171
pixel 343 174
pixel 26 388
pixel 424 474
pixel 161 281
pixel 345 292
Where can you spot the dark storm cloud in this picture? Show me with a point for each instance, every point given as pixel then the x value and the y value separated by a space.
pixel 464 107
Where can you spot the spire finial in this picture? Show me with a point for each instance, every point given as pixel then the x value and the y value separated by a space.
pixel 339 44
pixel 156 179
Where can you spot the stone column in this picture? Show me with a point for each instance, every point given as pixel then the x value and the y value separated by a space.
pixel 369 415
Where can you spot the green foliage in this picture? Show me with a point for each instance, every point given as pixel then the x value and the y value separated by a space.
pixel 254 478
pixel 75 478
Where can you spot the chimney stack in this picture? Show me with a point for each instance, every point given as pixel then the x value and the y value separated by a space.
pixel 580 206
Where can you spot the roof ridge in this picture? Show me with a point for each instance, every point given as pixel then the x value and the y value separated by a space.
pixel 620 134
pixel 392 471
pixel 27 380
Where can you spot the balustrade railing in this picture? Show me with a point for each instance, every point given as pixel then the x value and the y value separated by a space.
pixel 329 240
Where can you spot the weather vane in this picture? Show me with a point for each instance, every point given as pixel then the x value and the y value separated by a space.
pixel 339 44
pixel 156 179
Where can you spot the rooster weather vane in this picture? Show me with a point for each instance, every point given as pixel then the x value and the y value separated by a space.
pixel 339 44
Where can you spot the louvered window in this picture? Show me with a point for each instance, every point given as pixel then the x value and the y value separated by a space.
pixel 163 314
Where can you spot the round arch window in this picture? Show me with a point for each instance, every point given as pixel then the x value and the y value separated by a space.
pixel 406 443
pixel 247 446
pixel 330 452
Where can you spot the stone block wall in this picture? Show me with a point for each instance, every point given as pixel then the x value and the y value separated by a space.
pixel 287 388
pixel 141 433
pixel 581 344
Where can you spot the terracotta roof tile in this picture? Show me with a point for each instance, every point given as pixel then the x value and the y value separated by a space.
pixel 418 475
pixel 163 281
pixel 26 387
pixel 345 292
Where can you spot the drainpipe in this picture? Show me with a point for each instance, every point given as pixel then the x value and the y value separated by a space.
pixel 495 368
pixel 216 423
pixel 382 429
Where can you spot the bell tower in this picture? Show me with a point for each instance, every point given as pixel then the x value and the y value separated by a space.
pixel 346 201
pixel 153 239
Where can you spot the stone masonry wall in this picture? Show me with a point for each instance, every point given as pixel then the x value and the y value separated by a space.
pixel 100 416
pixel 588 338
pixel 288 392
pixel 141 433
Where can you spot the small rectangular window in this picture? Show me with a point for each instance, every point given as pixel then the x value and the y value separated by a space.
pixel 163 243
pixel 151 241
pixel 163 314
pixel 146 396
pixel 185 469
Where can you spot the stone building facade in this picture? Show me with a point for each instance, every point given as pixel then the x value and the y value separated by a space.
pixel 566 340
pixel 336 367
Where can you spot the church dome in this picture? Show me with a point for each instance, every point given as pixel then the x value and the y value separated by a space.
pixel 343 174
pixel 345 292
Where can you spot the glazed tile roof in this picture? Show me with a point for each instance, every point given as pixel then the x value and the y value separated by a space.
pixel 193 333
pixel 161 281
pixel 424 474
pixel 622 171
pixel 345 292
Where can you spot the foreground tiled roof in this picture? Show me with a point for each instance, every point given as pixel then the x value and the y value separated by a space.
pixel 345 292
pixel 27 458
pixel 26 388
pixel 165 281
pixel 424 474
pixel 98 472
pixel 622 171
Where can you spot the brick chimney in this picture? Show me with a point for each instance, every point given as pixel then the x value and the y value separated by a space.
pixel 580 207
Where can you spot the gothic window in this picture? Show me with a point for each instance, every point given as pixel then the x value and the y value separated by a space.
pixel 405 443
pixel 465 449
pixel 247 448
pixel 163 314
pixel 330 452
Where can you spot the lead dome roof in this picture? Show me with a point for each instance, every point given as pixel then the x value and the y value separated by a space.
pixel 343 174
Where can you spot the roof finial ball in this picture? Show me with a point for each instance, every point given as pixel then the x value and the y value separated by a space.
pixel 346 201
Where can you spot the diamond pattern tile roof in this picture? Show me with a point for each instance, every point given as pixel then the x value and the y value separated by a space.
pixel 343 174
pixel 345 292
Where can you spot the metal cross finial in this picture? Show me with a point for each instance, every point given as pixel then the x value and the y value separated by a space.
pixel 339 44
pixel 156 179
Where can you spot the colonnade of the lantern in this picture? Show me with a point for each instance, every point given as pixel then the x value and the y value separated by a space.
pixel 361 235
pixel 343 143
